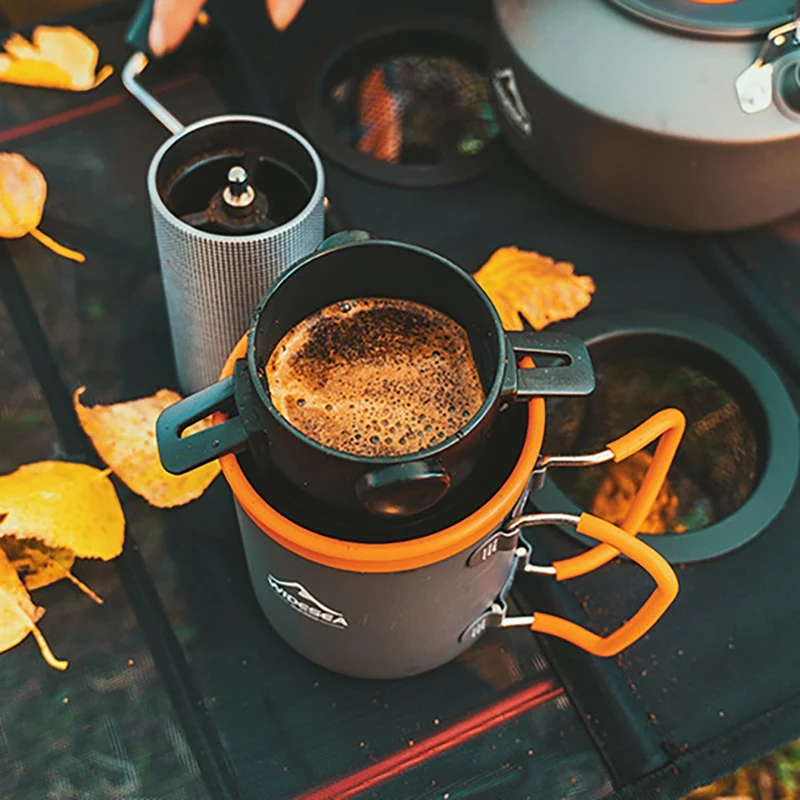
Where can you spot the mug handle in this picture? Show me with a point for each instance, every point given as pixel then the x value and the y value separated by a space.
pixel 344 238
pixel 180 454
pixel 617 540
pixel 666 425
pixel 522 382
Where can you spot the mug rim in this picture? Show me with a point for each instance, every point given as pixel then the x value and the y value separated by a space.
pixel 369 462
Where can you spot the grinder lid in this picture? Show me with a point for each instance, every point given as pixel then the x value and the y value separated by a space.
pixel 716 18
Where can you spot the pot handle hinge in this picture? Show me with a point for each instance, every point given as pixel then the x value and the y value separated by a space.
pixel 495 616
pixel 501 542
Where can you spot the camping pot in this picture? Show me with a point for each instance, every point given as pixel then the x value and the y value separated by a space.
pixel 401 608
pixel 356 266
pixel 675 114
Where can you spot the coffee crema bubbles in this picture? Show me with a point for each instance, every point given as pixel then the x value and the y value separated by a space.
pixel 375 377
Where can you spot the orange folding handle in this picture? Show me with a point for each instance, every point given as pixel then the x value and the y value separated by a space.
pixel 659 601
pixel 668 424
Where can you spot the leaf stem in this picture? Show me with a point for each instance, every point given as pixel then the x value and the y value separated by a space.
pixel 82 586
pixel 57 248
pixel 105 72
pixel 47 653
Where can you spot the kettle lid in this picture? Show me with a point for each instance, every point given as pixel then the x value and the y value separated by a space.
pixel 715 18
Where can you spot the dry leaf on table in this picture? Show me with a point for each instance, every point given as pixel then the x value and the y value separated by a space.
pixel 63 505
pixel 19 615
pixel 525 284
pixel 23 191
pixel 619 487
pixel 39 565
pixel 124 435
pixel 55 58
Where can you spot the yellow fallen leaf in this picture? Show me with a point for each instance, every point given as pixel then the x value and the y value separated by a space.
pixel 55 58
pixel 63 505
pixel 19 615
pixel 124 435
pixel 39 565
pixel 619 487
pixel 23 191
pixel 525 284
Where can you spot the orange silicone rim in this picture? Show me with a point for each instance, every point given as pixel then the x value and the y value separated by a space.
pixel 393 556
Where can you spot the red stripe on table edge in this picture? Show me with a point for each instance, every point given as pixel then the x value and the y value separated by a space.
pixel 70 115
pixel 441 742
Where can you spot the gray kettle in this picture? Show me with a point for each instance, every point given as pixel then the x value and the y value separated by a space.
pixel 674 114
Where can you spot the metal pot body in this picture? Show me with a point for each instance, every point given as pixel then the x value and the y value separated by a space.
pixel 397 486
pixel 213 282
pixel 373 625
pixel 639 121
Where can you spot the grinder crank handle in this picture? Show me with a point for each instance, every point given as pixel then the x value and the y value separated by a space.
pixel 666 425
pixel 138 33
pixel 137 38
pixel 617 540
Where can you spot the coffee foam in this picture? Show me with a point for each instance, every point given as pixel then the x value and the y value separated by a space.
pixel 375 377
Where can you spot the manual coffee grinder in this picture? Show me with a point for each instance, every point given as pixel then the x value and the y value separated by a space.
pixel 236 200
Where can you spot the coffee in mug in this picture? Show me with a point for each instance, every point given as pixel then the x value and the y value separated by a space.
pixel 375 377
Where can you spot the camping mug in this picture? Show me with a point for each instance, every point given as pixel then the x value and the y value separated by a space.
pixel 352 266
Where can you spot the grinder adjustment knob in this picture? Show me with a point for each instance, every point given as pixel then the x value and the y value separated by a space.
pixel 237 207
pixel 234 192
pixel 238 193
